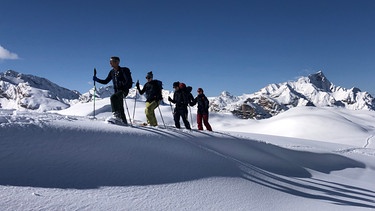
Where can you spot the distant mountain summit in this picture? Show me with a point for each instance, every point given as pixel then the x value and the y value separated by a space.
pixel 21 91
pixel 313 90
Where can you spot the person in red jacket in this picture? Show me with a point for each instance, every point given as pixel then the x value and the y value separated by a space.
pixel 202 111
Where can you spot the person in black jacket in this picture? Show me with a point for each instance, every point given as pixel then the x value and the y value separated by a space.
pixel 153 89
pixel 202 112
pixel 181 99
pixel 122 82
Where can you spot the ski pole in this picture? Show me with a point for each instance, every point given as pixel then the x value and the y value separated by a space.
pixel 126 105
pixel 135 101
pixel 171 107
pixel 191 117
pixel 162 117
pixel 94 91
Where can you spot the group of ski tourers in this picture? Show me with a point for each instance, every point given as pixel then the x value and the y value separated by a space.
pixel 182 97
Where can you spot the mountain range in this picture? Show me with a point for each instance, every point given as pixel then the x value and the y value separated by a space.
pixel 313 90
pixel 21 91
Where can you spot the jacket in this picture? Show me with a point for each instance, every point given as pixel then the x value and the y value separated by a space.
pixel 152 90
pixel 119 79
pixel 203 104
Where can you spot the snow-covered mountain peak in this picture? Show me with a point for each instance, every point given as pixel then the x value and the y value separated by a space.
pixel 226 94
pixel 21 91
pixel 11 76
pixel 222 102
pixel 320 81
pixel 313 90
pixel 11 73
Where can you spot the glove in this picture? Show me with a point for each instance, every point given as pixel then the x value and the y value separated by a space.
pixel 95 79
pixel 137 84
pixel 170 99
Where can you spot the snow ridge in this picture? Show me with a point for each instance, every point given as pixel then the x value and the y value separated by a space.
pixel 50 160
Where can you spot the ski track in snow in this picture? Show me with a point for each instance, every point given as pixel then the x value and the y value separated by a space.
pixel 368 141
pixel 283 183
pixel 365 150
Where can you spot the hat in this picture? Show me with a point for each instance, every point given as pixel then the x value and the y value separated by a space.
pixel 200 90
pixel 150 75
pixel 176 84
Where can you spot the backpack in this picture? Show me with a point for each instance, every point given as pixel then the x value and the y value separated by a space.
pixel 156 90
pixel 186 90
pixel 128 77
pixel 182 86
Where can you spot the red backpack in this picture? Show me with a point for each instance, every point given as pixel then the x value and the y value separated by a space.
pixel 182 86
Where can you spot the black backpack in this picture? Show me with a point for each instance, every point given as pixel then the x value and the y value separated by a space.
pixel 186 91
pixel 128 77
pixel 156 90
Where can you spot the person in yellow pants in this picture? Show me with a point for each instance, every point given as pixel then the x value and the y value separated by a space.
pixel 153 90
pixel 150 113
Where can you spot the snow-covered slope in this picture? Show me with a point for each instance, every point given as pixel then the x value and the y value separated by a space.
pixel 19 91
pixel 314 90
pixel 54 162
pixel 334 125
pixel 306 158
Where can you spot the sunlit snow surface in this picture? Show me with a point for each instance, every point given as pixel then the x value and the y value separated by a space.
pixel 303 159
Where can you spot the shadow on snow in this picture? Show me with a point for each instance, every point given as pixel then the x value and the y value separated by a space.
pixel 64 158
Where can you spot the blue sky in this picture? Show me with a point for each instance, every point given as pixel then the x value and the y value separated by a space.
pixel 233 45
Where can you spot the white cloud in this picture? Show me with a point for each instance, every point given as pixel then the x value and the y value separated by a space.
pixel 5 54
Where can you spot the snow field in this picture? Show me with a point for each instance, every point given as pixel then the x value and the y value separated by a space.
pixel 52 161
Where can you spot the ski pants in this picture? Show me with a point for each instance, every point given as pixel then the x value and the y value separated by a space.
pixel 150 112
pixel 181 112
pixel 117 104
pixel 204 118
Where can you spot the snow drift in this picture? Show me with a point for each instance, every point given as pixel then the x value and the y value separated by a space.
pixel 63 158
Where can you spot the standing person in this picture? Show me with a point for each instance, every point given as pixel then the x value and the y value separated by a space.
pixel 153 90
pixel 202 112
pixel 181 99
pixel 122 82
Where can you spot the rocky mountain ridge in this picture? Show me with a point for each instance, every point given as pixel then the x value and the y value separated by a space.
pixel 20 91
pixel 313 90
